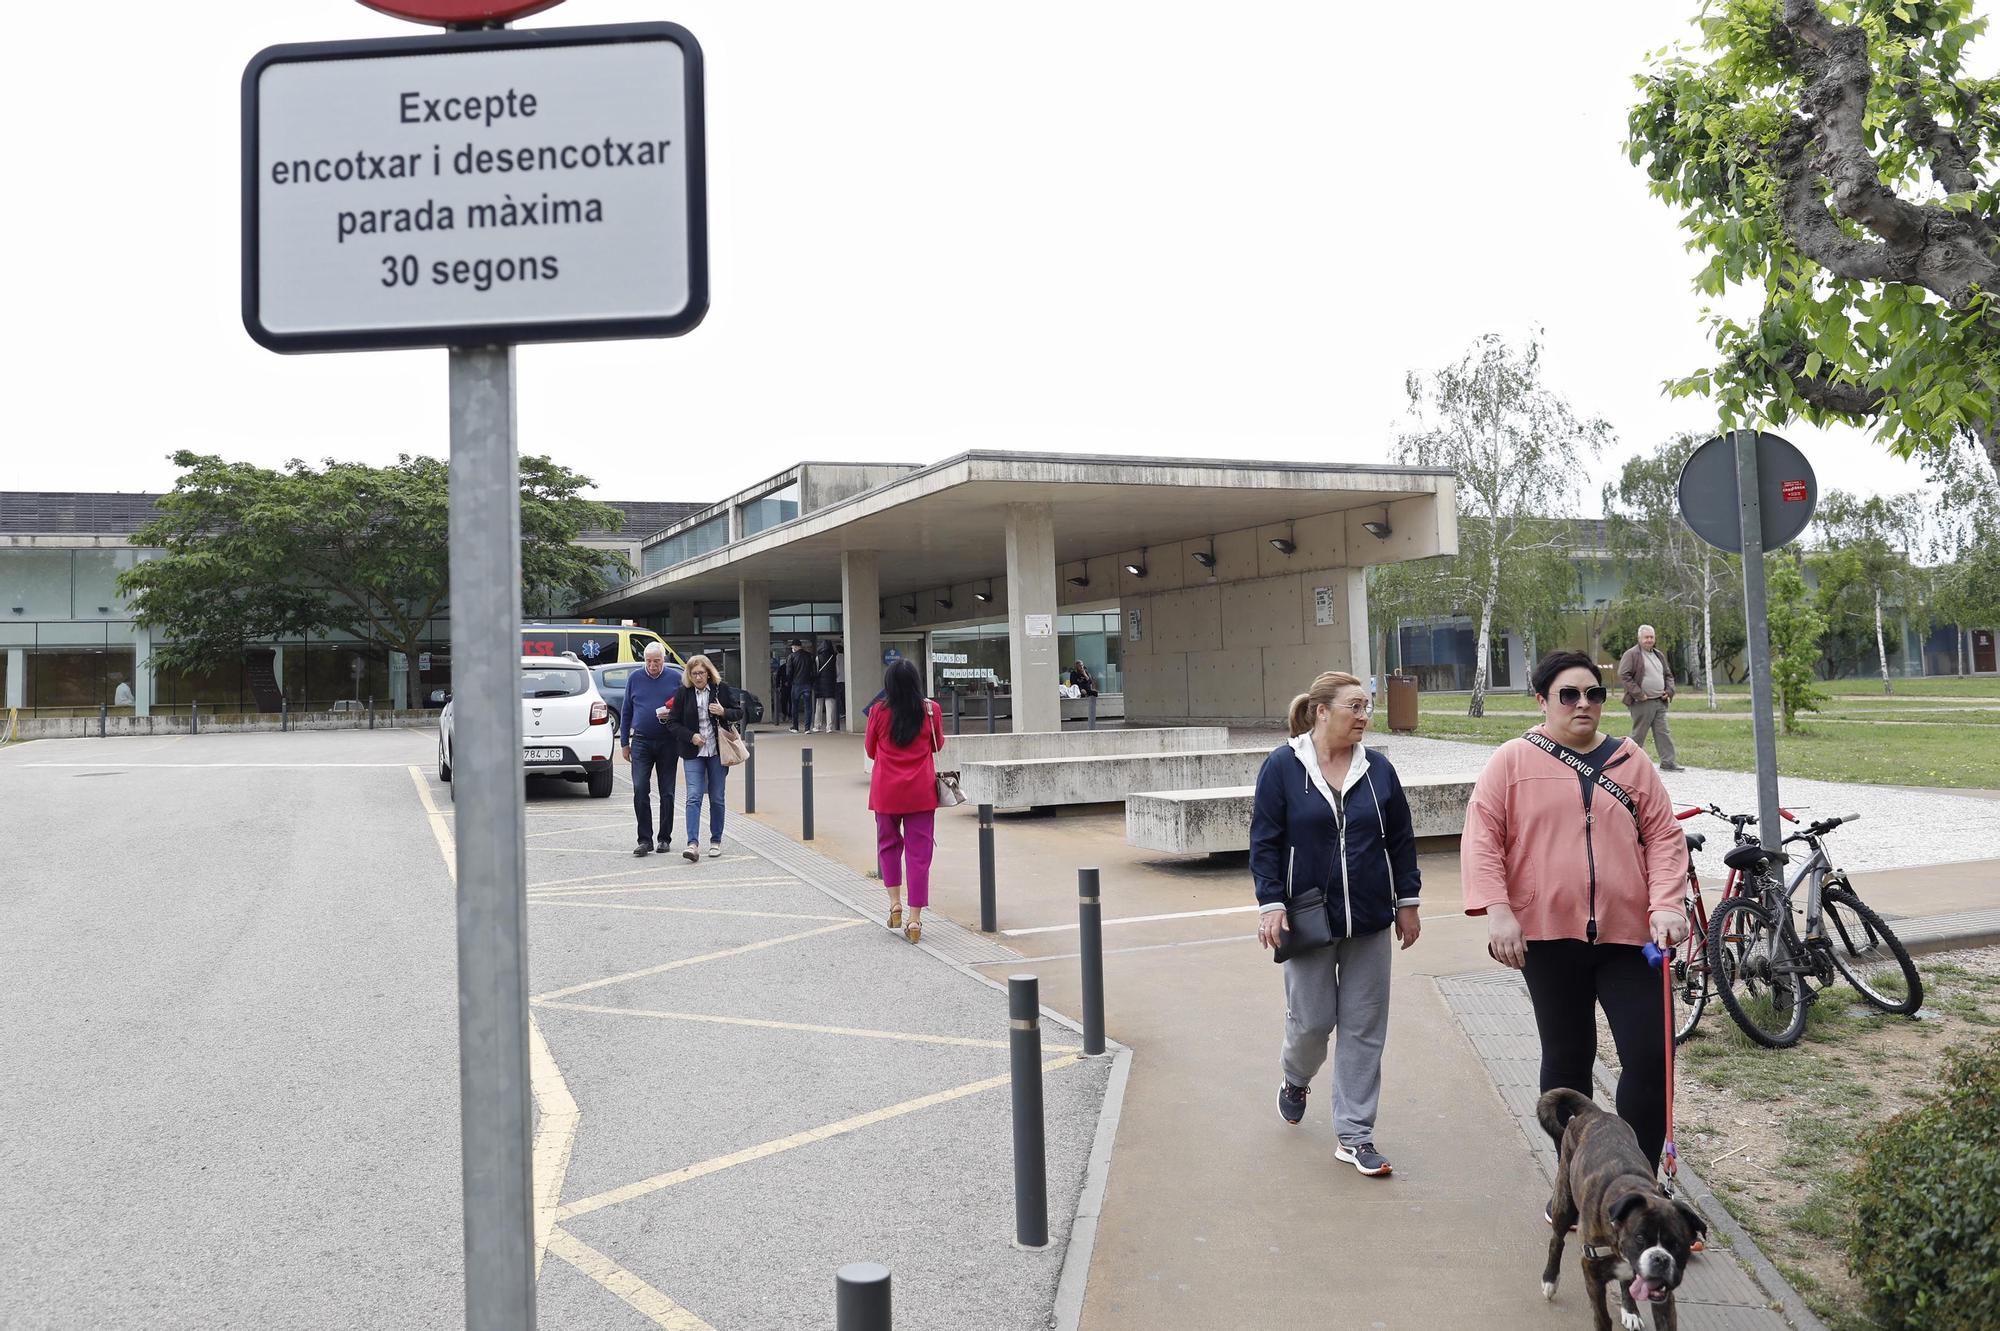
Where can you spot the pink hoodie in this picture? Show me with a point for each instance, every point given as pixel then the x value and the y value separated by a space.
pixel 1524 846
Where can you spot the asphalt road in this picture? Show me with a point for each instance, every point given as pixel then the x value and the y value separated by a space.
pixel 227 1007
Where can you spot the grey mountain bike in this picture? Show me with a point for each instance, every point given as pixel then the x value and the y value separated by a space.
pixel 1764 969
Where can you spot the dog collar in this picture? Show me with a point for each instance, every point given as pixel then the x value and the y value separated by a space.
pixel 1598 1254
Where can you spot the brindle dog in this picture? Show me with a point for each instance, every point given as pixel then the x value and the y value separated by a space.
pixel 1605 1186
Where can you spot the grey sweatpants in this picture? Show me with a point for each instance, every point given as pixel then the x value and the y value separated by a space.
pixel 1341 988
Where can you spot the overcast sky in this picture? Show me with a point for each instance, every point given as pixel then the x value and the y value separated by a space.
pixel 1150 228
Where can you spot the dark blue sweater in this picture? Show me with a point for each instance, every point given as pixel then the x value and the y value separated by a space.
pixel 644 696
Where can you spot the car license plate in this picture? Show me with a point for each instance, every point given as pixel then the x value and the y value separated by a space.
pixel 544 755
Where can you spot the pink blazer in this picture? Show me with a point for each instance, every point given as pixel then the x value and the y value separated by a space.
pixel 1524 846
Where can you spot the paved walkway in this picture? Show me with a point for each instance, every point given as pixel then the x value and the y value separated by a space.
pixel 1219 1215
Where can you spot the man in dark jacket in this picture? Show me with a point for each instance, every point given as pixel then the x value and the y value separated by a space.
pixel 1649 687
pixel 642 730
pixel 799 684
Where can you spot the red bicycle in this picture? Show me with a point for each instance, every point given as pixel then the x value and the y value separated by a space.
pixel 1693 979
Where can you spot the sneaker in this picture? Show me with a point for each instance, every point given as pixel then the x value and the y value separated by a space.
pixel 643 848
pixel 692 853
pixel 714 849
pixel 1292 1102
pixel 1670 767
pixel 1364 1157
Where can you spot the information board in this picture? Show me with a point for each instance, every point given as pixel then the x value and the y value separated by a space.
pixel 477 188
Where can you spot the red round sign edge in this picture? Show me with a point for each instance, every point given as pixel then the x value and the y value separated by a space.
pixel 445 13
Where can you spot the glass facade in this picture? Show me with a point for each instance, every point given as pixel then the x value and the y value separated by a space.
pixel 697 540
pixel 769 510
pixel 978 657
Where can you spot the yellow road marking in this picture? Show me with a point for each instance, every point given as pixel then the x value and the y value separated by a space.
pixel 762 1023
pixel 555 1134
pixel 681 910
pixel 694 961
pixel 544 893
pixel 650 1302
pixel 645 1187
pixel 446 846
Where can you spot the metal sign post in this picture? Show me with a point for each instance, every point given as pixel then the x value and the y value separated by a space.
pixel 1752 492
pixel 473 191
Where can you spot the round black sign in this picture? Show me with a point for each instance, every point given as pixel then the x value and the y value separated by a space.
pixel 1787 492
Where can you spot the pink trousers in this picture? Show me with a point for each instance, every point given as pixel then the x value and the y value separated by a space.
pixel 907 837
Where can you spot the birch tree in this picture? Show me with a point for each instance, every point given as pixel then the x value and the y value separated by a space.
pixel 1517 449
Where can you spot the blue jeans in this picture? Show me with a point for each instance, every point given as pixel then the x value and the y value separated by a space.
pixel 706 776
pixel 802 707
pixel 649 755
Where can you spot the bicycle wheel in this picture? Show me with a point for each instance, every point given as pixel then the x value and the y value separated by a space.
pixel 1767 1001
pixel 1868 954
pixel 1691 982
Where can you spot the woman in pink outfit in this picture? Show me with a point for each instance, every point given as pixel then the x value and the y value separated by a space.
pixel 1572 854
pixel 905 731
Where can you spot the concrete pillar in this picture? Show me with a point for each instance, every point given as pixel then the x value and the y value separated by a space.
pixel 753 604
pixel 1356 582
pixel 142 672
pixel 17 677
pixel 681 626
pixel 1031 595
pixel 861 629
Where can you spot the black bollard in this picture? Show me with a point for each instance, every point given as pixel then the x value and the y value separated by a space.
pixel 103 723
pixel 1090 942
pixel 284 714
pixel 861 1297
pixel 749 770
pixel 955 711
pixel 194 717
pixel 806 794
pixel 371 711
pixel 989 908
pixel 992 709
pixel 1031 1175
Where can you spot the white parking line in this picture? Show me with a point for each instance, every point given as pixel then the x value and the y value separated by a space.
pixel 680 910
pixel 543 894
pixel 695 961
pixel 1133 919
pixel 863 1033
pixel 103 765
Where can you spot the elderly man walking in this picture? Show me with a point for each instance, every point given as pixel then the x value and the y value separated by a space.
pixel 652 752
pixel 1649 687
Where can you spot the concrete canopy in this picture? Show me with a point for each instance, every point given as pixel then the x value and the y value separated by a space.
pixel 947 523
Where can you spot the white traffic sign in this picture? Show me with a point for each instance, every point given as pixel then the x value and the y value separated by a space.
pixel 480 188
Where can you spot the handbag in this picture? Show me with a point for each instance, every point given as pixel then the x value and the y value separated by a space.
pixel 1311 926
pixel 948 794
pixel 730 746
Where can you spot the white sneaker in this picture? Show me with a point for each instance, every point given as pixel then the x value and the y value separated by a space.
pixel 714 849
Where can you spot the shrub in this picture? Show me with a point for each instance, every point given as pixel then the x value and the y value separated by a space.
pixel 1925 1239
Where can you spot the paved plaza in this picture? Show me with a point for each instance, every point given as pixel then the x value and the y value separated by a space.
pixel 230 967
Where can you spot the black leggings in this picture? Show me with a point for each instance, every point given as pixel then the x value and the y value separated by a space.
pixel 1567 978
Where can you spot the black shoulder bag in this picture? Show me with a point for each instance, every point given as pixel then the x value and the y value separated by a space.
pixel 1309 915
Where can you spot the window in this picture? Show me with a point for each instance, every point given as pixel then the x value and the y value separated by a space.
pixel 552 682
pixel 769 510
pixel 696 540
pixel 594 648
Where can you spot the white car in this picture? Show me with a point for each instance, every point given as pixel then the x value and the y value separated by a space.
pixel 567 728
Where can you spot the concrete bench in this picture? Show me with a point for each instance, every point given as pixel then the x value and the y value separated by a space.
pixel 1004 746
pixel 1110 707
pixel 1191 822
pixel 1023 783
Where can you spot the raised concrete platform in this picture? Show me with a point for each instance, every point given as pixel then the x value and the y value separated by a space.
pixel 1080 744
pixel 1044 782
pixel 1110 707
pixel 1192 822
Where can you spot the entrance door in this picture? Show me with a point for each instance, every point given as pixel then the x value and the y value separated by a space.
pixel 1982 652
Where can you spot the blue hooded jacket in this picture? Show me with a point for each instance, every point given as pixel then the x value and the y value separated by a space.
pixel 1296 838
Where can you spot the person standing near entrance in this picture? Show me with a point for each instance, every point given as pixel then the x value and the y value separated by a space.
pixel 781 692
pixel 799 676
pixel 1329 815
pixel 702 704
pixel 1649 687
pixel 642 730
pixel 824 685
pixel 904 735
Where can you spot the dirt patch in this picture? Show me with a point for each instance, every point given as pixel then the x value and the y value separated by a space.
pixel 1772 1131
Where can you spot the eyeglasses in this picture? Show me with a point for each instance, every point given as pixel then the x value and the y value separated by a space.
pixel 1360 707
pixel 1569 695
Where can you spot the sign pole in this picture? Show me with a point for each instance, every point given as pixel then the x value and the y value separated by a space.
pixel 1757 624
pixel 495 1125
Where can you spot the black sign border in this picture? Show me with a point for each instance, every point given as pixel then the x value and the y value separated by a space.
pixel 484 334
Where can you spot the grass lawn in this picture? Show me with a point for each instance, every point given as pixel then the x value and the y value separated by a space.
pixel 1956 752
pixel 1773 1131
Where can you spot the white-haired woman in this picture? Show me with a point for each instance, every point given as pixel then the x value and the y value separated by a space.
pixel 1330 833
pixel 703 704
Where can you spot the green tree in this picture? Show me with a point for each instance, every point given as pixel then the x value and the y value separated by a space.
pixel 1861 558
pixel 1796 628
pixel 1835 161
pixel 1514 445
pixel 1665 565
pixel 254 553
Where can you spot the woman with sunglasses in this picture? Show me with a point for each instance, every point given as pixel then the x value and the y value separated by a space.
pixel 1572 854
pixel 1328 814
